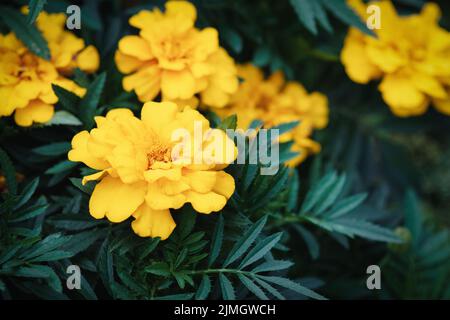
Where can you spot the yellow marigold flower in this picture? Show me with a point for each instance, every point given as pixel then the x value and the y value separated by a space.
pixel 172 57
pixel 140 174
pixel 26 79
pixel 275 101
pixel 410 54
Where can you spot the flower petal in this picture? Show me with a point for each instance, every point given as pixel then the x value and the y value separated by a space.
pixel 116 200
pixel 153 223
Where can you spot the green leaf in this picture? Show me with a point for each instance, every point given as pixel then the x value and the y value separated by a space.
pixel 232 38
pixel 28 34
pixel 343 12
pixel 226 288
pixel 305 13
pixel 262 56
pixel 35 7
pixel 63 118
pixel 286 127
pixel 311 242
pixel 89 103
pixel 181 296
pixel 27 192
pixel 62 166
pixel 30 212
pixel 53 149
pixel 346 205
pixel 331 195
pixel 229 122
pixel 260 249
pixel 274 265
pixel 67 99
pixel 9 172
pixel 413 219
pixel 245 241
pixel 204 288
pixel 291 285
pixel 321 15
pixel 252 287
pixel 216 242
pixel 318 191
pixel 269 288
pixel 159 269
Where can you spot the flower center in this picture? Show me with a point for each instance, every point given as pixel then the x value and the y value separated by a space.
pixel 160 153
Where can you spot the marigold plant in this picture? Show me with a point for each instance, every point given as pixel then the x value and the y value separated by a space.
pixel 172 57
pixel 26 79
pixel 275 101
pixel 140 175
pixel 410 54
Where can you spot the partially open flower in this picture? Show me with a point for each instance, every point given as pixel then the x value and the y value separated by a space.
pixel 172 57
pixel 26 79
pixel 153 164
pixel 275 102
pixel 410 54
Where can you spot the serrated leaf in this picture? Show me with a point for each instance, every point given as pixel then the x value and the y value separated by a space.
pixel 89 103
pixel 311 242
pixel 53 149
pixel 305 13
pixel 63 118
pixel 274 265
pixel 291 285
pixel 318 190
pixel 226 288
pixel 159 269
pixel 204 288
pixel 341 10
pixel 346 205
pixel 28 34
pixel 245 241
pixel 68 100
pixel 35 7
pixel 27 192
pixel 260 250
pixel 216 242
pixel 252 287
pixel 60 167
pixel 331 195
pixel 269 288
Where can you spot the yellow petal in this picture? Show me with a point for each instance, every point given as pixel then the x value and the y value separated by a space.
pixel 88 60
pixel 205 202
pixel 36 111
pixel 136 47
pixel 158 115
pixel 356 62
pixel 201 181
pixel 93 177
pixel 116 200
pixel 153 223
pixel 127 64
pixel 224 184
pixel 158 200
pixel 177 84
pixel 400 93
pixel 81 153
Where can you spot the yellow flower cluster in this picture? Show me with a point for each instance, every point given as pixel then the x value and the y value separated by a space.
pixel 410 54
pixel 275 101
pixel 141 177
pixel 171 57
pixel 26 79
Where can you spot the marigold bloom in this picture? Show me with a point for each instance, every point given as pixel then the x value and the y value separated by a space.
pixel 410 54
pixel 26 79
pixel 275 101
pixel 172 57
pixel 139 174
